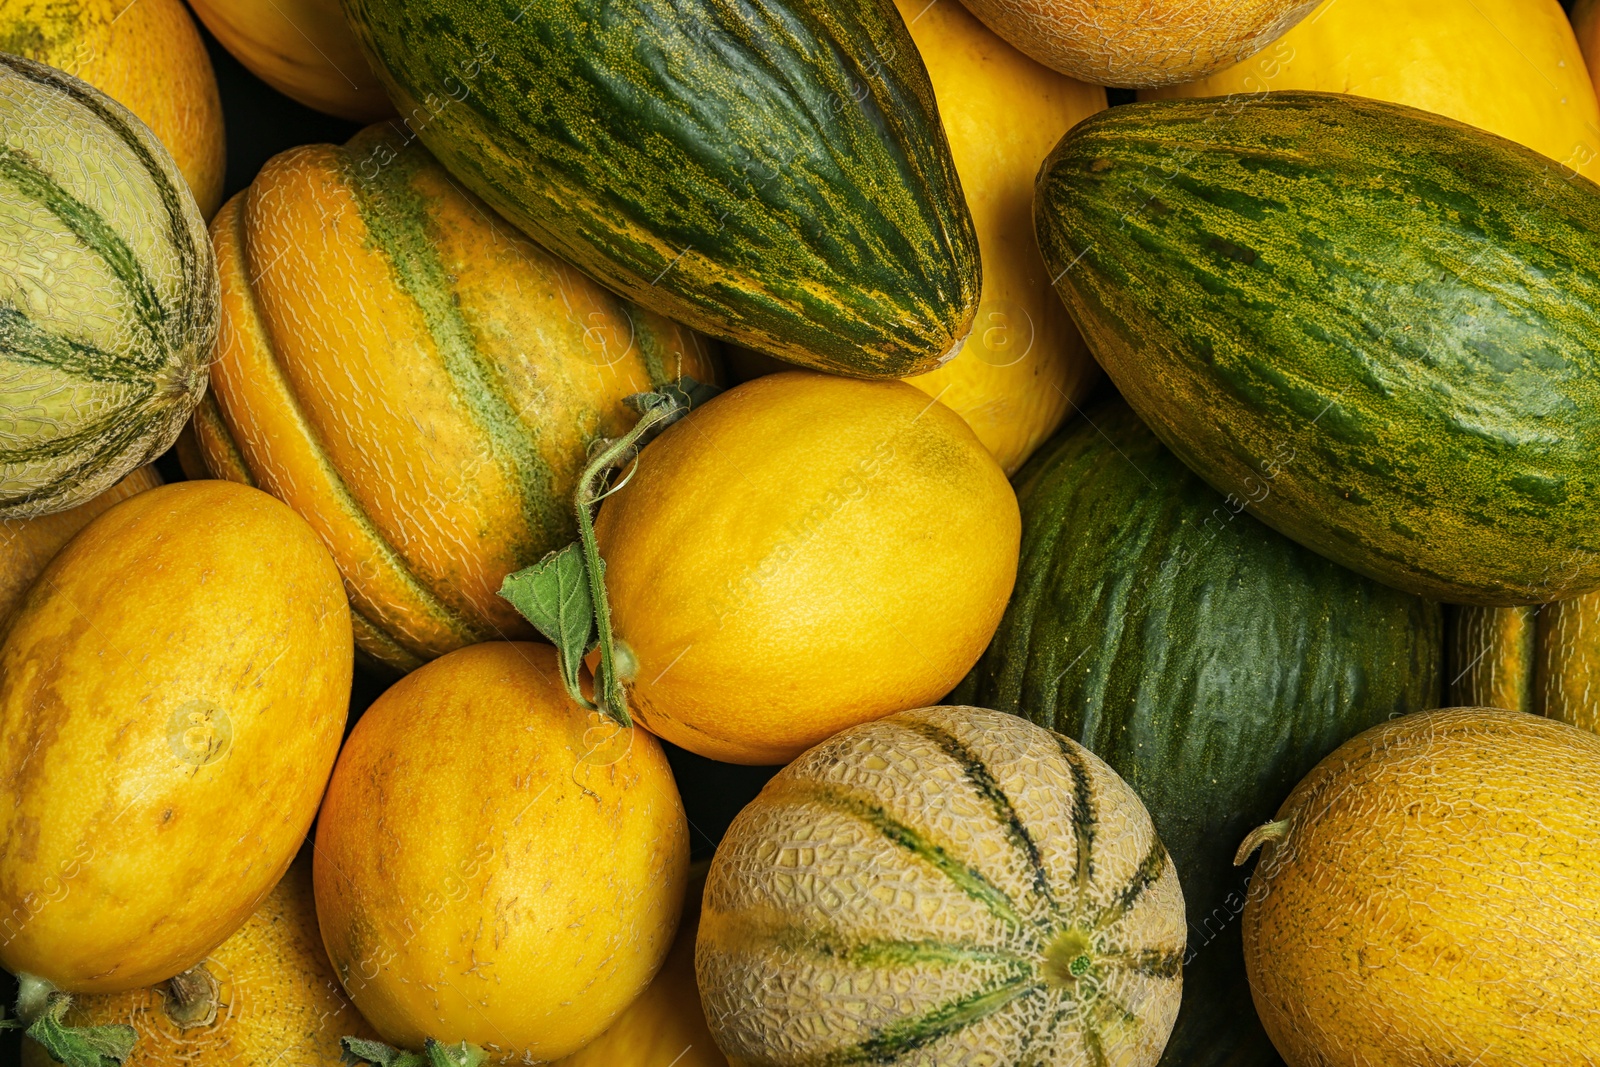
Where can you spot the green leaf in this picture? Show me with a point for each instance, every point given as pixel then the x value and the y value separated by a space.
pixel 80 1046
pixel 359 1050
pixel 553 594
pixel 462 1055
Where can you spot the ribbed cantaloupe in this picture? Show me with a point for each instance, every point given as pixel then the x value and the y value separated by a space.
pixel 172 695
pixel 108 292
pixel 144 54
pixel 1510 67
pixel 1428 898
pixel 1024 367
pixel 945 886
pixel 267 998
pixel 418 380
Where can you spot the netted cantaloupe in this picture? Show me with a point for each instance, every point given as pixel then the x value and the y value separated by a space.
pixel 1427 898
pixel 108 292
pixel 948 885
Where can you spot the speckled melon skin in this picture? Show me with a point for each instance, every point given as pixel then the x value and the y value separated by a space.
pixel 948 885
pixel 1139 43
pixel 1434 901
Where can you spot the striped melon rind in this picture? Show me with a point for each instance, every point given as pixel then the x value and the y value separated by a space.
pixel 1379 326
pixel 947 885
pixel 108 292
pixel 418 380
pixel 1544 659
pixel 773 174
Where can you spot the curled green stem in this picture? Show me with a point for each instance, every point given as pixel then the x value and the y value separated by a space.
pixel 564 594
pixel 591 489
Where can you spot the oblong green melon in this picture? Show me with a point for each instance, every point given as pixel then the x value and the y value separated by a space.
pixel 1379 326
pixel 108 292
pixel 948 885
pixel 1209 660
pixel 774 174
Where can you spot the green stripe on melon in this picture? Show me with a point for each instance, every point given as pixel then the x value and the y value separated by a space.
pixel 1377 326
pixel 381 634
pixel 774 175
pixel 108 296
pixel 937 886
pixel 1210 661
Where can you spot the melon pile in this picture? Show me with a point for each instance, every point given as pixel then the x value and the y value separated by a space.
pixel 1033 533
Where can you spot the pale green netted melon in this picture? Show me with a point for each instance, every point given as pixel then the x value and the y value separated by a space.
pixel 944 886
pixel 108 292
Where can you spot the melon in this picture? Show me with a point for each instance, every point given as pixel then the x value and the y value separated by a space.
pixel 1426 898
pixel 108 292
pixel 948 885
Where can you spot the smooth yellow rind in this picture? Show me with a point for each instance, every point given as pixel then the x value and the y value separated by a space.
pixel 172 694
pixel 1512 67
pixel 493 863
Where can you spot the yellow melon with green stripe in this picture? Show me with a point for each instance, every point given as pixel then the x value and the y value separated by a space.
pixel 418 380
pixel 949 885
pixel 1543 659
pixel 108 292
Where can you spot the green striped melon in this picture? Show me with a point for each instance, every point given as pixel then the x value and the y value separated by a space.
pixel 1378 326
pixel 772 174
pixel 108 292
pixel 949 885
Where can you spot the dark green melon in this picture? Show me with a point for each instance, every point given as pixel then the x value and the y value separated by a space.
pixel 1379 326
pixel 1209 660
pixel 108 292
pixel 773 173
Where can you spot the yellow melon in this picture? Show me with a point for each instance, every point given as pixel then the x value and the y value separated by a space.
pixel 1511 67
pixel 801 554
pixel 494 864
pixel 267 996
pixel 1139 42
pixel 1024 366
pixel 302 48
pixel 1427 898
pixel 666 1026
pixel 172 695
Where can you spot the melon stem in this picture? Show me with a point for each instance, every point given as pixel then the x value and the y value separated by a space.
pixel 192 998
pixel 33 993
pixel 656 411
pixel 1261 835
